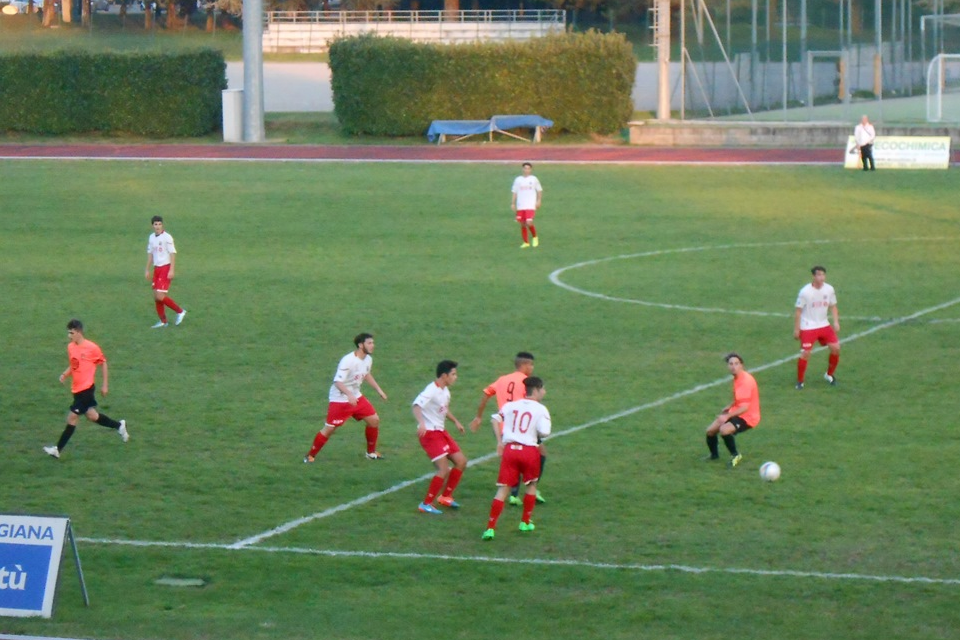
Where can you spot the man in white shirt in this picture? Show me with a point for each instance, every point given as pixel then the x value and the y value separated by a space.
pixel 431 409
pixel 346 401
pixel 161 255
pixel 523 422
pixel 864 135
pixel 527 195
pixel 810 324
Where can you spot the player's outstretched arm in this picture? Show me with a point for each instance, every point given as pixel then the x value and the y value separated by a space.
pixel 376 387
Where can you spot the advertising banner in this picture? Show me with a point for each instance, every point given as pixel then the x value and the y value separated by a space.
pixel 30 550
pixel 903 152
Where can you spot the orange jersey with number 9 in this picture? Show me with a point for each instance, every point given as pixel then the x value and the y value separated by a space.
pixel 508 388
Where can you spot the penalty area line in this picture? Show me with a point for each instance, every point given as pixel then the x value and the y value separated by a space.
pixel 260 537
pixel 539 562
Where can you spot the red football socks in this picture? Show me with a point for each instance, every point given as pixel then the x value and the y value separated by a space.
pixel 496 508
pixel 452 481
pixel 372 433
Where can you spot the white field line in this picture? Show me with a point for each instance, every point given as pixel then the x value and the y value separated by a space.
pixel 542 562
pixel 555 276
pixel 260 537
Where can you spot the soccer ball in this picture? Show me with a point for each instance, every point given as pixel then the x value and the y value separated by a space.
pixel 769 471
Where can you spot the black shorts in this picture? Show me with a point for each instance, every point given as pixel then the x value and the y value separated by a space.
pixel 740 424
pixel 84 400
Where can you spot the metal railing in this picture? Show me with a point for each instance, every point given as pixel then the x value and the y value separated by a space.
pixel 549 16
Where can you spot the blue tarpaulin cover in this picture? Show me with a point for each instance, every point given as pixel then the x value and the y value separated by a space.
pixel 475 127
pixel 458 128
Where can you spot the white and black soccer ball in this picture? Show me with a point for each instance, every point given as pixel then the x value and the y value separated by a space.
pixel 769 471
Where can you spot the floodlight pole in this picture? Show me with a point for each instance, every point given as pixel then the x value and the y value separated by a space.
pixel 253 70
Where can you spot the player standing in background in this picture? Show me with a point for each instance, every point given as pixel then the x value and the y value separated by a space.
pixel 810 324
pixel 741 415
pixel 525 423
pixel 431 409
pixel 162 254
pixel 85 356
pixel 346 401
pixel 527 195
pixel 508 388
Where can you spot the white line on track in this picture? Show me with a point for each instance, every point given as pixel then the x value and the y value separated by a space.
pixel 545 562
pixel 293 524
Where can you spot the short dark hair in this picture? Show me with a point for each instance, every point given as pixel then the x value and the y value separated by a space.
pixel 75 325
pixel 527 164
pixel 814 270
pixel 521 357
pixel 532 383
pixel 361 338
pixel 732 354
pixel 156 219
pixel 445 366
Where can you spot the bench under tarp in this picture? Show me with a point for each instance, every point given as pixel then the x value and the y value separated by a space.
pixel 462 129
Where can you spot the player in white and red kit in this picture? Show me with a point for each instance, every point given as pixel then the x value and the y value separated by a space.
pixel 161 255
pixel 525 421
pixel 810 324
pixel 431 409
pixel 346 401
pixel 527 195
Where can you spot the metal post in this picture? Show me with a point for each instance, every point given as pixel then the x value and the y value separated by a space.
pixel 783 38
pixel 754 59
pixel 663 59
pixel 878 56
pixel 683 58
pixel 253 70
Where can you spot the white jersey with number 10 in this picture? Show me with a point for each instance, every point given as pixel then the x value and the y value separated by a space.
pixel 524 421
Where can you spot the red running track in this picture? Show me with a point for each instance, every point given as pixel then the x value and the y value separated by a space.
pixel 435 153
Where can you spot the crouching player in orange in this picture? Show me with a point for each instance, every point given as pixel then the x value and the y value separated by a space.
pixel 523 422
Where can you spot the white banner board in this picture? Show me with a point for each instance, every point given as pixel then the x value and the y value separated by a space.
pixel 903 152
pixel 30 550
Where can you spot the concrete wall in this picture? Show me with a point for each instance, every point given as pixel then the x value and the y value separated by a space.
pixel 313 37
pixel 756 134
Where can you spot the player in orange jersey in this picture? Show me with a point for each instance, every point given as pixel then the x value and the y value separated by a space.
pixel 85 356
pixel 741 415
pixel 508 388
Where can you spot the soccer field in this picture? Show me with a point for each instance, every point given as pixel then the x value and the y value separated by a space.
pixel 644 279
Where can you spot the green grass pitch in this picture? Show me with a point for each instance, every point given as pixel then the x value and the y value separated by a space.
pixel 281 264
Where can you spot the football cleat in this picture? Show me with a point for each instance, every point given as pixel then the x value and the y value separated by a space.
pixel 799 386
pixel 540 498
pixel 735 460
pixel 535 242
pixel 308 459
pixel 489 534
pixel 159 325
pixel 525 245
pixel 376 455
pixel 448 502
pixel 53 452
pixel 429 508
pixel 180 317
pixel 830 379
pixel 122 430
pixel 527 526
pixel 515 501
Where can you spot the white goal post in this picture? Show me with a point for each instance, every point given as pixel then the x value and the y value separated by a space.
pixel 943 88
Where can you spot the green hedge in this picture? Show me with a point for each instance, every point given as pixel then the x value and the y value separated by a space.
pixel 392 86
pixel 156 95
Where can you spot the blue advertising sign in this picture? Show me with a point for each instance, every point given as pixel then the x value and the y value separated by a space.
pixel 30 550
